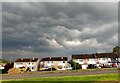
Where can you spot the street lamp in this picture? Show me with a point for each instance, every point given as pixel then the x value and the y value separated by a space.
pixel 75 65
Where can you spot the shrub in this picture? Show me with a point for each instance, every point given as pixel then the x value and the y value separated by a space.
pixel 60 67
pixel 14 71
pixel 75 65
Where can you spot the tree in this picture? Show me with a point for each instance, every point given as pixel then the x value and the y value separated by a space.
pixel 75 65
pixel 116 49
pixel 8 66
pixel 4 61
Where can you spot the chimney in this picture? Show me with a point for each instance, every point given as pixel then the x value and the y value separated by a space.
pixel 61 57
pixel 21 58
pixel 33 58
pixel 50 57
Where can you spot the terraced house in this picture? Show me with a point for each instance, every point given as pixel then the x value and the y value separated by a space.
pixel 29 63
pixel 59 63
pixel 97 59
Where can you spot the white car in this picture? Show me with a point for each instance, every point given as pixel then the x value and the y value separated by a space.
pixel 69 68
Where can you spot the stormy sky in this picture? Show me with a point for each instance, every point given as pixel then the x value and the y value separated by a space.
pixel 40 29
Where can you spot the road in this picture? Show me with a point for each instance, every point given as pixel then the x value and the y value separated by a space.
pixel 38 74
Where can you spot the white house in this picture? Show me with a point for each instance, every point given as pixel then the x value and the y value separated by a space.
pixel 116 59
pixel 97 59
pixel 84 59
pixel 104 58
pixel 59 63
pixel 31 63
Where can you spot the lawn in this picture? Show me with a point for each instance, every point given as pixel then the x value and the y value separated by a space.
pixel 76 79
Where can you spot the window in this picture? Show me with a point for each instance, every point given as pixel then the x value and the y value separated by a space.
pixel 60 62
pixel 92 59
pixel 63 61
pixel 21 63
pixel 114 58
pixel 80 60
pixel 32 67
pixel 103 58
pixel 29 63
pixel 48 62
pixel 52 61
pixel 32 63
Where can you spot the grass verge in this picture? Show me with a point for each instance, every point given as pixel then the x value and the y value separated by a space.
pixel 110 78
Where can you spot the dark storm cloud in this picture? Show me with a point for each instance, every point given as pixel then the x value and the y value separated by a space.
pixel 57 27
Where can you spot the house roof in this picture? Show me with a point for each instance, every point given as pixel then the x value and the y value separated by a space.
pixel 83 56
pixel 106 55
pixel 54 59
pixel 27 60
pixel 117 53
pixel 96 55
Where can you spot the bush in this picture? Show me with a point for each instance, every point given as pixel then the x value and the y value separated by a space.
pixel 75 65
pixel 60 66
pixel 14 71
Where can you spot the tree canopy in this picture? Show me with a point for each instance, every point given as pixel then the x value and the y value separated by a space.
pixel 116 49
pixel 75 65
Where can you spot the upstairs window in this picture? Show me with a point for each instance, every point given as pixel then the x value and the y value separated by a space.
pixel 92 59
pixel 99 58
pixel 60 61
pixel 114 58
pixel 103 58
pixel 81 60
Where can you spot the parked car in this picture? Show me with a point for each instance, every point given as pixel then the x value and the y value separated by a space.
pixel 91 66
pixel 105 66
pixel 22 68
pixel 42 69
pixel 114 65
pixel 69 68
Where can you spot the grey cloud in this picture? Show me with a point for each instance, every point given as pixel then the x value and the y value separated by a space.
pixel 57 27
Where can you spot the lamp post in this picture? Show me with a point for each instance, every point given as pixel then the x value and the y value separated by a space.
pixel 51 66
pixel 75 65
